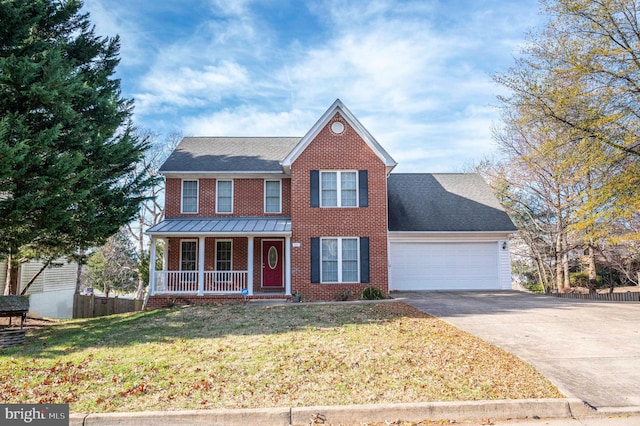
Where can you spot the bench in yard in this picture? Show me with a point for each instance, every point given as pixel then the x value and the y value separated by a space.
pixel 14 306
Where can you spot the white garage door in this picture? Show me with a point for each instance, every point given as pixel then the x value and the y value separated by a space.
pixel 444 266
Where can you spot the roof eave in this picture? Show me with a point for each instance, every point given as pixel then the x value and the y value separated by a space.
pixel 219 234
pixel 452 234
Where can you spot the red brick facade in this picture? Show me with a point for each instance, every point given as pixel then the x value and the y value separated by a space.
pixel 239 256
pixel 345 151
pixel 328 151
pixel 248 198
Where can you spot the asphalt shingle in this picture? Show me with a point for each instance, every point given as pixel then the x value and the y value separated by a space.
pixel 456 202
pixel 229 154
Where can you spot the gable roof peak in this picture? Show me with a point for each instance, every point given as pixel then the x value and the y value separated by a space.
pixel 339 107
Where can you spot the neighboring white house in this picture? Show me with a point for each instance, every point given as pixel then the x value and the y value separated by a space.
pixel 51 294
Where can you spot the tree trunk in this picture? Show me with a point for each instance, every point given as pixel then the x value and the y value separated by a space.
pixel 565 262
pixel 81 260
pixel 7 284
pixel 559 269
pixel 33 279
pixel 78 277
pixel 542 276
pixel 591 266
pixel 140 290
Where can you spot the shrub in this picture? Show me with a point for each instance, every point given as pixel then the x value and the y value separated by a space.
pixel 533 287
pixel 372 293
pixel 581 279
pixel 343 296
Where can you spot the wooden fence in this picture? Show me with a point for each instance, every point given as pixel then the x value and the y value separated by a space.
pixel 99 306
pixel 629 296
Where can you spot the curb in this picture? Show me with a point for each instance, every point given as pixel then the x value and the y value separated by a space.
pixel 356 414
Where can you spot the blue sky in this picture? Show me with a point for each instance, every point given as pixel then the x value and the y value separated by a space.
pixel 417 74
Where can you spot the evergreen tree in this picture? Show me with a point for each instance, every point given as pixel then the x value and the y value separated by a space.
pixel 67 147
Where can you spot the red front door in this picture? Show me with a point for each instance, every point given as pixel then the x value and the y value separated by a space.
pixel 272 261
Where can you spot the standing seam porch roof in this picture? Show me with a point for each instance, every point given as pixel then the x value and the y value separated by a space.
pixel 222 225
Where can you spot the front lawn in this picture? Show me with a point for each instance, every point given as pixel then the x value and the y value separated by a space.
pixel 238 356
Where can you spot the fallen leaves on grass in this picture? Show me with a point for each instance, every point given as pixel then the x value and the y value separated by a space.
pixel 247 357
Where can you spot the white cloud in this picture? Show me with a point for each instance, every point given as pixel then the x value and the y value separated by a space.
pixel 110 19
pixel 250 121
pixel 417 74
pixel 186 87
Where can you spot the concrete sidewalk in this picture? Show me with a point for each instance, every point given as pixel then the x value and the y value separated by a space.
pixel 589 350
pixel 511 412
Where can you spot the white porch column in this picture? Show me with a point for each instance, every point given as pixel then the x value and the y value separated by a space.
pixel 201 266
pixel 152 267
pixel 165 254
pixel 250 265
pixel 287 266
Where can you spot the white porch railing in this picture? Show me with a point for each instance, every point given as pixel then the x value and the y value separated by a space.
pixel 176 282
pixel 225 281
pixel 215 282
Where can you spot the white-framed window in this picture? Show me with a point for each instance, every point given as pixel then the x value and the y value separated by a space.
pixel 272 196
pixel 339 260
pixel 224 250
pixel 188 255
pixel 339 188
pixel 189 196
pixel 224 196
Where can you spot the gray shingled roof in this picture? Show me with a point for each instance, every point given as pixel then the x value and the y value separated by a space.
pixel 222 225
pixel 229 154
pixel 444 203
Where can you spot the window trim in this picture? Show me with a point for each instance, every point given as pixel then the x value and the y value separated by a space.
pixel 218 196
pixel 340 260
pixel 215 256
pixel 339 189
pixel 182 181
pixel 279 196
pixel 189 240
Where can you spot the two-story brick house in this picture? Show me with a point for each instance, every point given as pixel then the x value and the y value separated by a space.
pixel 265 216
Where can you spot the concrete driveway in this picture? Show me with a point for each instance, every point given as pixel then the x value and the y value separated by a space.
pixel 589 350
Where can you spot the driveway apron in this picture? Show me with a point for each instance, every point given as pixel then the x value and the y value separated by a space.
pixel 589 350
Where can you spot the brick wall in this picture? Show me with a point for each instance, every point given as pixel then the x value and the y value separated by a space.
pixel 346 151
pixel 248 198
pixel 239 256
pixel 328 151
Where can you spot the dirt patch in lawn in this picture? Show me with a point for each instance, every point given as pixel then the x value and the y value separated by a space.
pixel 256 356
pixel 29 323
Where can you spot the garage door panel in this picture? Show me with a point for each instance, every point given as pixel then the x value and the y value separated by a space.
pixel 444 266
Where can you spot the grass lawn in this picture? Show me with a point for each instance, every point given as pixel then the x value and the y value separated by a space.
pixel 237 356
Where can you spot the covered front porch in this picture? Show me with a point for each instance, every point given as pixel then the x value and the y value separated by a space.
pixel 222 257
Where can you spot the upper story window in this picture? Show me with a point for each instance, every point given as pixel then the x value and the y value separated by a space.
pixel 272 196
pixel 339 189
pixel 189 196
pixel 224 196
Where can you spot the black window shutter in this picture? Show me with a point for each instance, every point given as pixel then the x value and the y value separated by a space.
pixel 315 260
pixel 363 187
pixel 364 260
pixel 315 188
